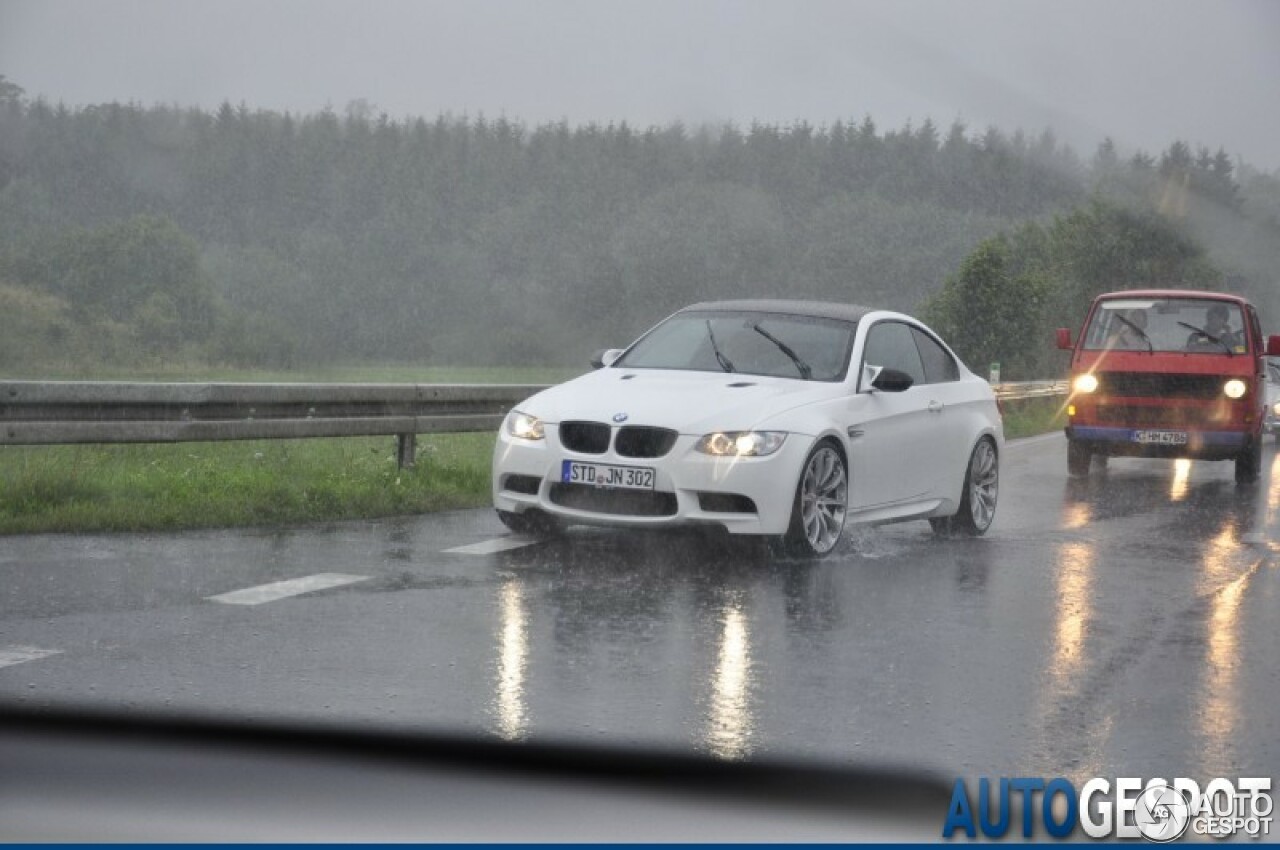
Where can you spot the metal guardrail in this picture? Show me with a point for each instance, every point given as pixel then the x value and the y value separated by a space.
pixel 62 412
pixel 1018 390
pixel 67 412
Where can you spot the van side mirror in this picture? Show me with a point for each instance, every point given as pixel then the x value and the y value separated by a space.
pixel 1273 346
pixel 1064 339
pixel 605 357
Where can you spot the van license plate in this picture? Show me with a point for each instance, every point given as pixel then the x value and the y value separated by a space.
pixel 1161 438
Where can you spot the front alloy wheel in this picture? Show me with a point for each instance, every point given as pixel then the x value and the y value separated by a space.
pixel 822 499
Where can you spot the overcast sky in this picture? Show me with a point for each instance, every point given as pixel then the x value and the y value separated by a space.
pixel 1145 72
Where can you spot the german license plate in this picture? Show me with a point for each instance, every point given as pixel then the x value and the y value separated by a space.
pixel 601 475
pixel 1160 438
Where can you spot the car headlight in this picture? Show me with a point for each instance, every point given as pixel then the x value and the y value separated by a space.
pixel 741 443
pixel 1085 383
pixel 1235 388
pixel 524 426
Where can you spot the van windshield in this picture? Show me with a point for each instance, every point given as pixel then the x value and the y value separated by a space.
pixel 1192 325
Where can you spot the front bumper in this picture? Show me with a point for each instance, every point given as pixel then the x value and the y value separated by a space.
pixel 1200 444
pixel 689 487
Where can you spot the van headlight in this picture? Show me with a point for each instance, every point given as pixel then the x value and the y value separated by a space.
pixel 524 426
pixel 1235 388
pixel 741 443
pixel 1085 383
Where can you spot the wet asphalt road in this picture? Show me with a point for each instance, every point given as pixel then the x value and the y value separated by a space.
pixel 1124 625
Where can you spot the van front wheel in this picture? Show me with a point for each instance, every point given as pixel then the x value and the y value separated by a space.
pixel 1078 458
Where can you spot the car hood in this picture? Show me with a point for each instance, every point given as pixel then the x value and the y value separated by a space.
pixel 688 402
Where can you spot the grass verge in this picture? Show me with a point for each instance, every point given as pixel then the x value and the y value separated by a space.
pixel 208 485
pixel 1032 416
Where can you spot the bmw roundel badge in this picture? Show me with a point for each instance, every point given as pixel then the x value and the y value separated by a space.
pixel 619 417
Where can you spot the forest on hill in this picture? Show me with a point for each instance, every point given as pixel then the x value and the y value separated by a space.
pixel 142 235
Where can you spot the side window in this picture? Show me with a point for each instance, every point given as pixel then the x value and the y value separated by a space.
pixel 890 345
pixel 1256 328
pixel 939 366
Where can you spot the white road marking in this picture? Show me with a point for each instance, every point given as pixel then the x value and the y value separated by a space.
pixel 10 655
pixel 498 544
pixel 285 589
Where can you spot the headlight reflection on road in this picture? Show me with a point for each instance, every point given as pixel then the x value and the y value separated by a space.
pixel 1077 515
pixel 1067 659
pixel 1273 492
pixel 1181 475
pixel 1074 606
pixel 513 656
pixel 730 724
pixel 1219 713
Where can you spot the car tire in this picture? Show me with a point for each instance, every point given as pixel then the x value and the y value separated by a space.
pixel 533 522
pixel 978 500
pixel 1078 459
pixel 820 506
pixel 1249 463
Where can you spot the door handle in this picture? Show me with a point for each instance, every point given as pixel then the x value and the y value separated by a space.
pixel 935 407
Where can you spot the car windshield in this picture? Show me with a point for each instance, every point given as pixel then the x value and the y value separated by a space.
pixel 1191 325
pixel 750 343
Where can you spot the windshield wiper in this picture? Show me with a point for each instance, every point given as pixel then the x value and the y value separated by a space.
pixel 1151 349
pixel 803 367
pixel 1204 333
pixel 725 363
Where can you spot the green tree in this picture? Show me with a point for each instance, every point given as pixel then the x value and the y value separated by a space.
pixel 988 314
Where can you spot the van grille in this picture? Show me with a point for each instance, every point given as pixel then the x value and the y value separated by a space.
pixel 1181 417
pixel 1157 385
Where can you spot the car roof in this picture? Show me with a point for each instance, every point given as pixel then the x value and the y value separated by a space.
pixel 819 309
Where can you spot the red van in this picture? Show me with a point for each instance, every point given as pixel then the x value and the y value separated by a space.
pixel 1168 373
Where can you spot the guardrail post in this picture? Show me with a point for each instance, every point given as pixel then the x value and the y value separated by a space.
pixel 406 447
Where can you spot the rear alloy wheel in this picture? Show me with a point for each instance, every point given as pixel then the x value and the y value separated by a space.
pixel 1249 463
pixel 822 500
pixel 981 491
pixel 1078 458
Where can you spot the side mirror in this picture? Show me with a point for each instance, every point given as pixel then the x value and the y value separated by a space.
pixel 1064 339
pixel 892 381
pixel 605 357
pixel 1273 346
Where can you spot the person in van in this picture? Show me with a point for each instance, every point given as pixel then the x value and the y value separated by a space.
pixel 1217 326
pixel 1130 331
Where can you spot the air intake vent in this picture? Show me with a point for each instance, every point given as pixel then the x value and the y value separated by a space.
pixel 615 502
pixel 726 503
pixel 527 484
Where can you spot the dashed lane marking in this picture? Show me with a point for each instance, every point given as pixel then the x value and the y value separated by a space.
pixel 10 655
pixel 284 589
pixel 498 544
